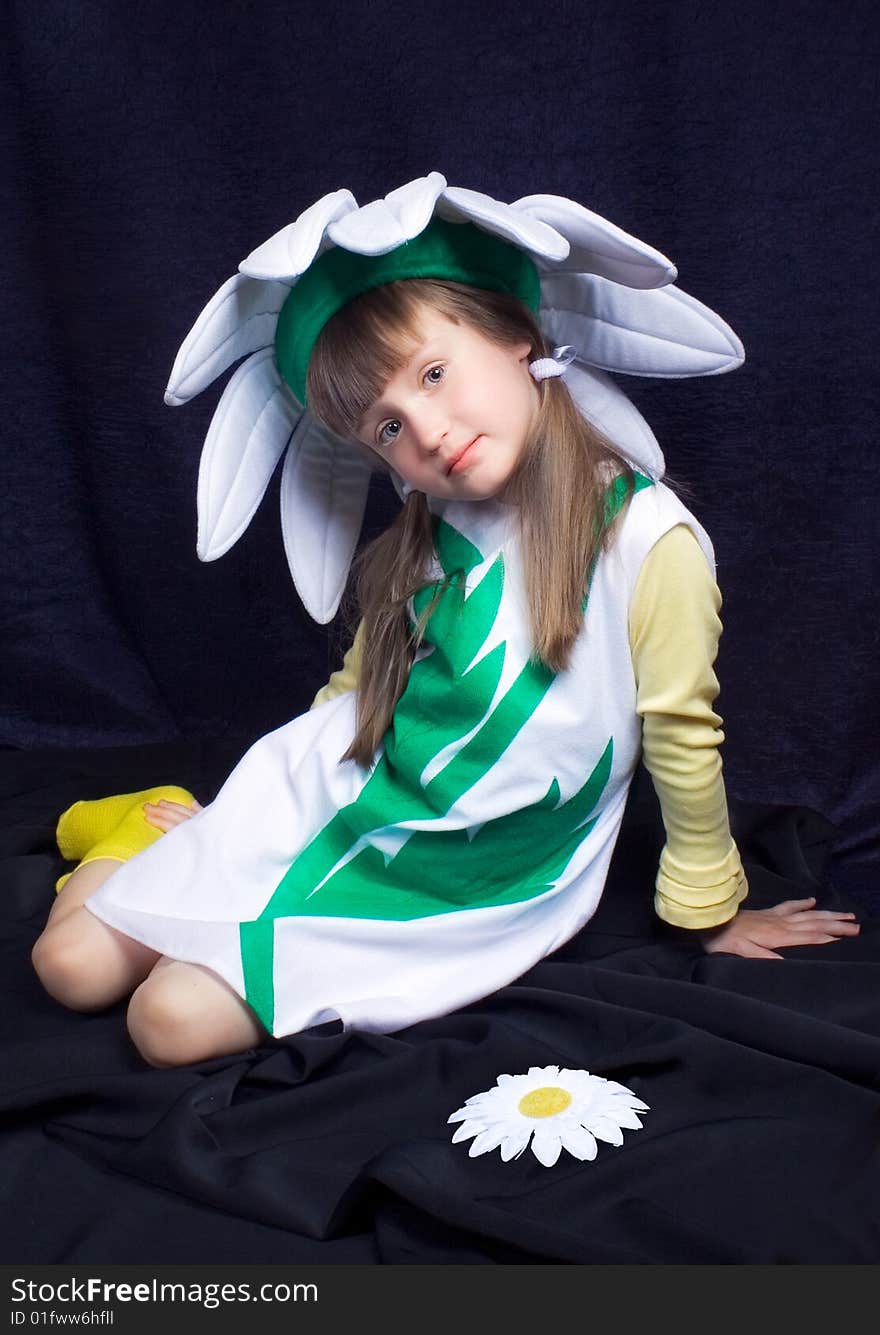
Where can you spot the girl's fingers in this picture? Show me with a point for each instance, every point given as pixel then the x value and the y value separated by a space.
pixel 157 821
pixel 165 815
pixel 814 915
pixel 825 923
pixel 817 935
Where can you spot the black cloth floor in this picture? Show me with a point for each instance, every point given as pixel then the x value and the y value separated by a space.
pixel 760 1146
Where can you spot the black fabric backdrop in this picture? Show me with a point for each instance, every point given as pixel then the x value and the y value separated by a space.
pixel 146 151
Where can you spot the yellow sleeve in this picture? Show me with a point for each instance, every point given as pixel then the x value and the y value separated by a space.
pixel 674 630
pixel 344 678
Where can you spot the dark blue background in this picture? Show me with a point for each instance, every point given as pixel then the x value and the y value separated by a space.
pixel 148 149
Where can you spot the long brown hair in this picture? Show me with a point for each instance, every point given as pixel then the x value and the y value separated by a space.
pixel 558 486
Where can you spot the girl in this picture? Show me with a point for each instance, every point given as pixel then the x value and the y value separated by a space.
pixel 542 611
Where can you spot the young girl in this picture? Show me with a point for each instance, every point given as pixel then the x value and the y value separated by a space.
pixel 540 614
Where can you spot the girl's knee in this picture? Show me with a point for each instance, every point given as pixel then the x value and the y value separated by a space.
pixel 158 1023
pixel 176 1017
pixel 66 968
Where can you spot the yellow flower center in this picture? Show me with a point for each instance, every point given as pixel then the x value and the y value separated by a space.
pixel 544 1102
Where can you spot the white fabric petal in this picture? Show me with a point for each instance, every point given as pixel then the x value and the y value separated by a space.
pixel 597 245
pixel 523 229
pixel 662 332
pixel 515 1142
pixel 546 1146
pixel 466 1130
pixel 324 487
pixel 578 1141
pixel 621 1091
pixel 289 252
pixel 483 1101
pixel 606 1128
pixel 626 1117
pixel 490 1098
pixel 604 404
pixel 250 428
pixel 240 318
pixel 629 1100
pixel 386 223
pixel 488 1139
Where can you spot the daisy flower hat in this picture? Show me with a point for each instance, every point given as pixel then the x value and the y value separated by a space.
pixel 591 286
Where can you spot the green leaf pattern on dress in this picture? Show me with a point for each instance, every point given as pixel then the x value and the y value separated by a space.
pixel 448 697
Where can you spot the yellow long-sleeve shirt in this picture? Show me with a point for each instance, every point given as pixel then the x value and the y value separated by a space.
pixel 674 628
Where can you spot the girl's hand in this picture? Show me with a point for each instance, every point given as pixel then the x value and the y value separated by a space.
pixel 164 814
pixel 753 932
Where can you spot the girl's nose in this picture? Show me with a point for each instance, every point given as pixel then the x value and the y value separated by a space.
pixel 431 430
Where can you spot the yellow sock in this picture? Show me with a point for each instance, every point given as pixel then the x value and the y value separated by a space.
pixel 112 827
pixel 83 824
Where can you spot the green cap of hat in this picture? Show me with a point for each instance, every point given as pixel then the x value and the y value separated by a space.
pixel 460 252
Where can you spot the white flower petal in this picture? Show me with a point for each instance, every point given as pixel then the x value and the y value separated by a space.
pixel 387 223
pixel 613 1087
pixel 578 1141
pixel 626 1117
pixel 239 319
pixel 517 1083
pixel 662 333
pixel 518 226
pixel 249 431
pixel 546 1146
pixel 324 486
pixel 621 1096
pixel 489 1099
pixel 515 1142
pixel 607 407
pixel 605 1128
pixel 597 245
pixel 290 251
pixel 466 1130
pixel 543 1072
pixel 487 1140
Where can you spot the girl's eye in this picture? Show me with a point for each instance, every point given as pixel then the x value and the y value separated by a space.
pixel 388 440
pixel 384 439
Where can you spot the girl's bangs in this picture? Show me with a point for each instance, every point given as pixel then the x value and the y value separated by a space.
pixel 358 351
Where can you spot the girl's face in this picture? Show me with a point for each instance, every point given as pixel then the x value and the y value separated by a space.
pixel 454 420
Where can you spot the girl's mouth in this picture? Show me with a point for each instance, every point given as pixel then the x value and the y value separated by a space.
pixel 462 459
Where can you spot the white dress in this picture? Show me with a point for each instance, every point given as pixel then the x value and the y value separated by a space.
pixel 477 842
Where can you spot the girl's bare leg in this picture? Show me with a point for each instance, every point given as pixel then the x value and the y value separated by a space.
pixel 180 1013
pixel 185 1013
pixel 81 961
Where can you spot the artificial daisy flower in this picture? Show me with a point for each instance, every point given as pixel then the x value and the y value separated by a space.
pixel 554 1109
